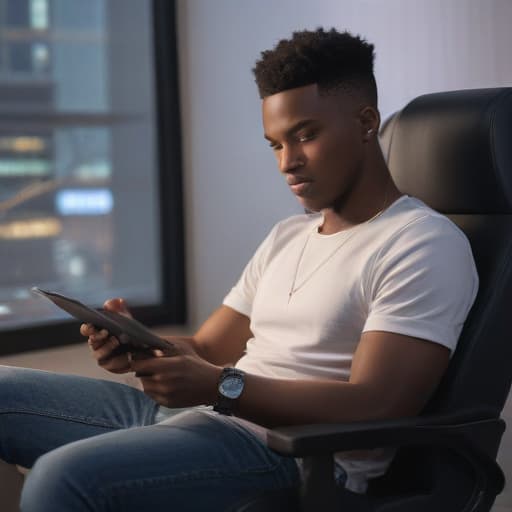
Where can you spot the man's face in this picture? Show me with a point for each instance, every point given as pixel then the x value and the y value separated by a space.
pixel 317 141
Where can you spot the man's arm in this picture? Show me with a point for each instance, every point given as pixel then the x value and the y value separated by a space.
pixel 392 376
pixel 222 338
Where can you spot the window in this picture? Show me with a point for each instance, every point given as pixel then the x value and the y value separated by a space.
pixel 90 184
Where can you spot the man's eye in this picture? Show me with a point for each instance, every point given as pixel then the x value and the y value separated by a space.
pixel 306 137
pixel 275 146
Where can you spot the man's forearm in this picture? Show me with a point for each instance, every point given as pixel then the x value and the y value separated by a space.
pixel 222 338
pixel 273 402
pixel 392 375
pixel 277 402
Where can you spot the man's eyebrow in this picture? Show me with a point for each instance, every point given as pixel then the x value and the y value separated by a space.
pixel 295 128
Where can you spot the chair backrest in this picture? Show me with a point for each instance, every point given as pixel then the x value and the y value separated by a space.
pixel 453 150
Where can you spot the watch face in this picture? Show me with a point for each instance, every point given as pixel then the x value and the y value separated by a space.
pixel 231 386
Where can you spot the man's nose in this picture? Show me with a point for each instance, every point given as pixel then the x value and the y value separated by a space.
pixel 289 159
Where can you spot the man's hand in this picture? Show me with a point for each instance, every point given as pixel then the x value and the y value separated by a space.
pixel 106 349
pixel 179 377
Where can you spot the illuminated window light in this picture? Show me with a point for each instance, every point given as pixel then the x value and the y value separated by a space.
pixel 5 310
pixel 40 57
pixel 95 170
pixel 33 228
pixel 22 144
pixel 84 202
pixel 24 167
pixel 39 14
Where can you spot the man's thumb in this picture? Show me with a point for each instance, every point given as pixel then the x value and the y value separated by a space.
pixel 118 305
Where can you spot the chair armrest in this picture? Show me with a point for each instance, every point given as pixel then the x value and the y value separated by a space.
pixel 475 435
pixel 304 440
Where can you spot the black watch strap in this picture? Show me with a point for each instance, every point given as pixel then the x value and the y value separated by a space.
pixel 224 405
pixel 230 387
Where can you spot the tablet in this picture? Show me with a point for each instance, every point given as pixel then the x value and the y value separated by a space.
pixel 127 330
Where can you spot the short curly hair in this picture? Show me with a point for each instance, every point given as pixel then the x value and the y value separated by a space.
pixel 331 59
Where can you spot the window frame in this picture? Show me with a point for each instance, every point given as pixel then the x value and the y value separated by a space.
pixel 172 309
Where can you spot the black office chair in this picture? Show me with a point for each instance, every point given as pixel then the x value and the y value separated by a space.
pixel 452 150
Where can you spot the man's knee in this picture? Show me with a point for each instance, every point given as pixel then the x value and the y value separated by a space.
pixel 17 386
pixel 60 480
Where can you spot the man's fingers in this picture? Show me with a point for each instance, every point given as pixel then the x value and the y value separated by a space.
pixel 107 349
pixel 87 329
pixel 139 354
pixel 149 365
pixel 117 305
pixel 99 337
pixel 96 338
pixel 120 364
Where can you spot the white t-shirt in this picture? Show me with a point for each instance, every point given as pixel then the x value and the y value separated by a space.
pixel 310 296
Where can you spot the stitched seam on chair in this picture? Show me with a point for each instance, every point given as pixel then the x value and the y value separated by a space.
pixel 74 419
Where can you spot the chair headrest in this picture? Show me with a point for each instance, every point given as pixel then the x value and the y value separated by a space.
pixel 453 150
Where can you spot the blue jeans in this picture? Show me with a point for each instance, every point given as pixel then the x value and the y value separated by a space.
pixel 94 445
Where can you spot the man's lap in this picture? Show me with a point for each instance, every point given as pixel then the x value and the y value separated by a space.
pixel 100 439
pixel 40 411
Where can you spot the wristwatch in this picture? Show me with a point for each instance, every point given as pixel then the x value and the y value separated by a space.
pixel 231 385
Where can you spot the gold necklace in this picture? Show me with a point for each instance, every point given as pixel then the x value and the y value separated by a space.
pixel 294 288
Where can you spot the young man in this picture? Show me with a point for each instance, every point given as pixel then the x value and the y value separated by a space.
pixel 348 313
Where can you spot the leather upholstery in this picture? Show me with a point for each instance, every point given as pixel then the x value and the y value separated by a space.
pixel 454 150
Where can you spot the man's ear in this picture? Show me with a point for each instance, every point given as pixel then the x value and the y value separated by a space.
pixel 369 118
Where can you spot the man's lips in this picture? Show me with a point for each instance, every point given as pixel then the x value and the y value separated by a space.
pixel 298 184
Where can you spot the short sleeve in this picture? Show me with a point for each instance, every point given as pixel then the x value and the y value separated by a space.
pixel 241 296
pixel 423 283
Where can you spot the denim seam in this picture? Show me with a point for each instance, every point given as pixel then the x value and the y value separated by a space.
pixel 106 492
pixel 75 419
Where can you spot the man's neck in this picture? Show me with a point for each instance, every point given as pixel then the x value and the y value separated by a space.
pixel 357 212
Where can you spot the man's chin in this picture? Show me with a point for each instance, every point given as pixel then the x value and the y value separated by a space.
pixel 309 206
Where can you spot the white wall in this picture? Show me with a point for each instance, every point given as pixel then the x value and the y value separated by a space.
pixel 233 191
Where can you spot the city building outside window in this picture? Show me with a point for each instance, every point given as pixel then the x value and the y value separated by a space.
pixel 85 92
